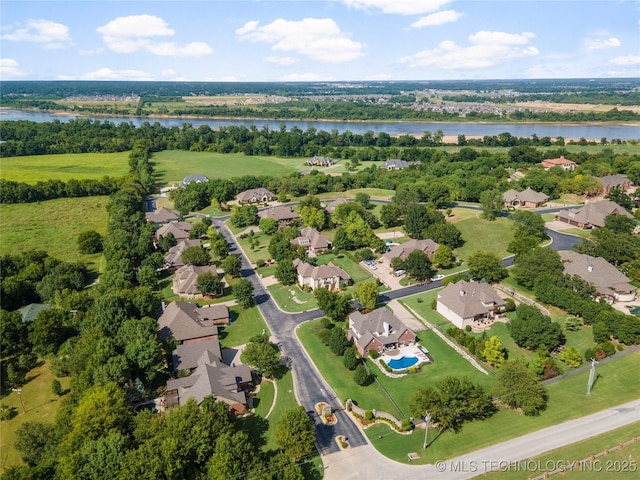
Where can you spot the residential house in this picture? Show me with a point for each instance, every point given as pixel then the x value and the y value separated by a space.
pixel 31 311
pixel 313 241
pixel 186 278
pixel 333 204
pixel 395 164
pixel 173 257
pixel 282 213
pixel 162 215
pixel 378 330
pixel 526 198
pixel 327 276
pixel 610 182
pixel 403 250
pixel 609 282
pixel 180 230
pixel 559 162
pixel 592 214
pixel 320 161
pixel 194 178
pixel 464 303
pixel 255 195
pixel 190 323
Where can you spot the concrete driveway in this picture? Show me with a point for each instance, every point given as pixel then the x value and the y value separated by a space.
pixel 384 274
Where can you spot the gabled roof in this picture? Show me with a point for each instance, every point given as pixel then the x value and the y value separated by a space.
pixel 550 162
pixel 280 212
pixel 395 164
pixel 331 206
pixel 182 321
pixel 428 246
pixel 598 272
pixel 173 256
pixel 186 277
pixel 310 237
pixel 329 270
pixel 195 177
pixel 527 195
pixel 187 355
pixel 250 194
pixel 593 213
pixel 180 230
pixel 612 181
pixel 467 299
pixel 31 311
pixel 162 215
pixel 381 324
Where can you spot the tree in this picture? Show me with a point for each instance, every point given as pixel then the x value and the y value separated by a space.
pixel 363 199
pixel 338 342
pixel 494 352
pixel 350 358
pixel 14 334
pixel 518 387
pixel 367 294
pixel 487 266
pixel 443 257
pixel 209 283
pixel 231 265
pixel 418 266
pixel 220 247
pixel 530 265
pixel 314 217
pixel 334 305
pixel 445 234
pixel 89 242
pixel 341 240
pixel 571 356
pixel 34 441
pixel 452 403
pixel 416 221
pixel 268 225
pixel 166 242
pixel 532 329
pixel 50 329
pixel 234 453
pixel 616 194
pixel 243 291
pixel 195 255
pixel 295 433
pixel 243 216
pixel 286 273
pixel 390 215
pixel 528 224
pixel 361 376
pixel 262 355
pixel 491 202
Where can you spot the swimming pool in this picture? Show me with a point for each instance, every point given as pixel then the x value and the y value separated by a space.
pixel 402 363
pixel 634 310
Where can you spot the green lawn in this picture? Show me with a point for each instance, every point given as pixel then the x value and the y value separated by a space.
pixel 64 166
pixel 264 399
pixel 345 262
pixel 53 226
pixel 174 165
pixel 285 400
pixel 382 193
pixel 480 234
pixel 255 254
pixel 588 470
pixel 246 324
pixel 282 295
pixel 40 404
pixel 567 400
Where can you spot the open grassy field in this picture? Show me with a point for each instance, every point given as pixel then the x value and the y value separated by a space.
pixel 620 462
pixel 174 165
pixel 40 404
pixel 247 322
pixel 52 226
pixel 567 400
pixel 34 168
pixel 480 234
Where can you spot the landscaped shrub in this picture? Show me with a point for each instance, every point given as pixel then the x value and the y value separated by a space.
pixel 406 424
pixel 350 358
pixel 368 415
pixel 261 263
pixel 509 305
pixel 361 376
pixel 434 304
pixel 324 336
pixel 7 412
pixel 326 323
pixel 373 354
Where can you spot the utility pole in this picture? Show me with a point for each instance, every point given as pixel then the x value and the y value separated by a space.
pixel 592 375
pixel 427 419
pixel 18 392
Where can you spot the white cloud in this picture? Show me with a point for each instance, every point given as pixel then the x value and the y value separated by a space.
pixel 109 74
pixel 601 43
pixel 10 69
pixel 282 61
pixel 317 38
pixel 135 33
pixel 50 35
pixel 626 60
pixel 172 75
pixel 304 77
pixel 438 18
pixel 487 49
pixel 400 7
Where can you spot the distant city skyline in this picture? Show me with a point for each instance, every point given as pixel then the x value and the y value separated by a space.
pixel 321 40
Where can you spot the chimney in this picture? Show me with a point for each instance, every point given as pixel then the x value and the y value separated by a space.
pixel 590 268
pixel 387 329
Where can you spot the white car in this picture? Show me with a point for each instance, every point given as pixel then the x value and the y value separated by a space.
pixel 437 277
pixel 373 267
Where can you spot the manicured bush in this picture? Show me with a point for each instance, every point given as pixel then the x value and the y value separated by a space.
pixel 7 412
pixel 406 424
pixel 373 354
pixel 368 415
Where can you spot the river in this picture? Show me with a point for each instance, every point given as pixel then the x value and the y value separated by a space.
pixel 588 131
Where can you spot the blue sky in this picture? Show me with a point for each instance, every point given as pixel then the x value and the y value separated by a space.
pixel 332 40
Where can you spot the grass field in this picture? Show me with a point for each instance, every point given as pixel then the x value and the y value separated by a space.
pixel 567 400
pixel 480 234
pixel 174 165
pixel 622 463
pixel 52 226
pixel 248 323
pixel 33 168
pixel 40 404
pixel 264 399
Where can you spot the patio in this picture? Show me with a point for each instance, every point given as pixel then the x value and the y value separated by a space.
pixel 421 353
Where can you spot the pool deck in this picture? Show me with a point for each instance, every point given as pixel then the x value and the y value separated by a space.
pixel 398 353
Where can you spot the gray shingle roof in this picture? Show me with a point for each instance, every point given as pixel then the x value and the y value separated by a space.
pixel 187 355
pixel 395 164
pixel 186 321
pixel 329 270
pixel 468 299
pixel 310 237
pixel 527 195
pixel 598 272
pixel 380 323
pixel 186 277
pixel 162 215
pixel 280 212
pixel 428 246
pixel 593 213
pixel 255 194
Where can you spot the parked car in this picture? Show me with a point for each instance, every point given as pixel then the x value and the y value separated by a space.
pixel 437 277
pixel 399 273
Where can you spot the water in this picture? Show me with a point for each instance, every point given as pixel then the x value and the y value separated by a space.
pixel 592 132
pixel 402 363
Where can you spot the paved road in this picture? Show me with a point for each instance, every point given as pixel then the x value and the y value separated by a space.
pixel 366 462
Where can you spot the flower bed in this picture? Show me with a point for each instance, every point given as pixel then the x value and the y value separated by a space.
pixel 326 414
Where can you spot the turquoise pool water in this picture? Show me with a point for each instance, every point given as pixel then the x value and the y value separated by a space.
pixel 402 363
pixel 634 311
